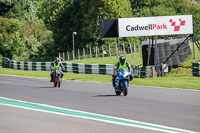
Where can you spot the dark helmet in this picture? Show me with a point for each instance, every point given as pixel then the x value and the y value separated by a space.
pixel 122 59
pixel 57 60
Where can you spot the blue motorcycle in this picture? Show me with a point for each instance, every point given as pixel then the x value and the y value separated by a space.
pixel 122 81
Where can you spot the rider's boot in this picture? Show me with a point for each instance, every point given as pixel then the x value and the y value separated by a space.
pixel 113 81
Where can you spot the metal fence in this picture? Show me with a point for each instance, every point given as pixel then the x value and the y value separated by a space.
pixel 95 52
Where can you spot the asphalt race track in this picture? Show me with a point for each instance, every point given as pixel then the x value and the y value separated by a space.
pixel 170 107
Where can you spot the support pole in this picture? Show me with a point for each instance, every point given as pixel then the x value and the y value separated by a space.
pixel 149 53
pixel 73 46
pixel 194 50
pixel 152 42
pixel 102 51
pixel 68 55
pixel 90 52
pixel 109 51
pixel 78 54
pixel 63 56
pixel 196 42
pixel 96 51
pixel 118 45
pixel 130 47
pixel 84 53
pixel 116 51
pixel 124 50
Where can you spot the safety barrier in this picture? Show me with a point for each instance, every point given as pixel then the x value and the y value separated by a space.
pixel 107 69
pixel 5 62
pixel 147 72
pixel 196 69
pixel 68 67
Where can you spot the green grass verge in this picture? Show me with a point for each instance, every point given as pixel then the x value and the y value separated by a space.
pixel 46 74
pixel 187 82
pixel 134 59
pixel 170 82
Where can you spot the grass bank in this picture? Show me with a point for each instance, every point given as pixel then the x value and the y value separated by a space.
pixel 134 59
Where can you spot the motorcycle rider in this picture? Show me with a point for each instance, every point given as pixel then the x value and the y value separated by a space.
pixel 57 64
pixel 121 64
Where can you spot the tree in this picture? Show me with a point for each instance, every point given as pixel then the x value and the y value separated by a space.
pixel 36 38
pixel 5 6
pixel 23 40
pixel 20 9
pixel 83 17
pixel 11 43
pixel 22 35
pixel 49 10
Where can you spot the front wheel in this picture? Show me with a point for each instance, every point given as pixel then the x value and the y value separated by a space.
pixel 125 91
pixel 117 92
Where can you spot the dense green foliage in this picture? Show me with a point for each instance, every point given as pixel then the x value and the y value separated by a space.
pixel 23 35
pixel 39 29
pixel 83 17
pixel 23 40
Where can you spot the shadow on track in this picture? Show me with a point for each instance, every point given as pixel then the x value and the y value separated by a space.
pixel 47 87
pixel 105 96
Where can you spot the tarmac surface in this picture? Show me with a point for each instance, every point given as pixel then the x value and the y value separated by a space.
pixel 178 108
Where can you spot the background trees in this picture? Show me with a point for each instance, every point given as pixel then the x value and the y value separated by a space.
pixel 39 29
pixel 83 17
pixel 22 33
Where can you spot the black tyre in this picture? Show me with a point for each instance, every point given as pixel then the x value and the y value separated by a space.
pixel 125 91
pixel 58 82
pixel 117 92
pixel 55 82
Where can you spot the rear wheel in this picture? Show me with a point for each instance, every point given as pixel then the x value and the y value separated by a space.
pixel 58 82
pixel 55 82
pixel 125 91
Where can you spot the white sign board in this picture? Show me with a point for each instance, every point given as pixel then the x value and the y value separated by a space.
pixel 153 26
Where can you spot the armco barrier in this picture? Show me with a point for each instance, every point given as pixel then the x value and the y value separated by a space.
pixel 5 62
pixel 88 68
pixel 107 69
pixel 196 69
pixel 68 67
